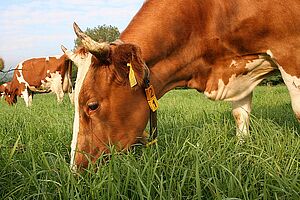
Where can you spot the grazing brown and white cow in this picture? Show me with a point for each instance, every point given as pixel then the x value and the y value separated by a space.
pixel 41 75
pixel 223 48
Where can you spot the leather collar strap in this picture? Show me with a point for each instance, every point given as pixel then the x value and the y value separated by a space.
pixel 153 104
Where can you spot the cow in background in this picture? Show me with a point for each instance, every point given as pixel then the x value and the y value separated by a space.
pixel 41 75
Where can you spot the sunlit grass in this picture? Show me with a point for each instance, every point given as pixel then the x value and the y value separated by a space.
pixel 196 157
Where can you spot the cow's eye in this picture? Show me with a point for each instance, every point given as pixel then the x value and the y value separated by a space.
pixel 93 106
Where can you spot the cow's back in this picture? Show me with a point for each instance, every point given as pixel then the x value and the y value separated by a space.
pixel 267 24
pixel 37 69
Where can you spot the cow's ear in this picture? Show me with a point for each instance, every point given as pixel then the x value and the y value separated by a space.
pixel 129 64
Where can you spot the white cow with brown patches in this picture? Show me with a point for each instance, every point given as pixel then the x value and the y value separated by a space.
pixel 41 75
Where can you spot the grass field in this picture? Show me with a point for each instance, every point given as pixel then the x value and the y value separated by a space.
pixel 197 155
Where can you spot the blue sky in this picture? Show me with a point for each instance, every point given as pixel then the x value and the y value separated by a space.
pixel 37 28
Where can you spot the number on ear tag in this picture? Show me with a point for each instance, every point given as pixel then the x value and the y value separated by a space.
pixel 151 98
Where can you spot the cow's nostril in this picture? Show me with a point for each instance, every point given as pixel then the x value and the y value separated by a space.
pixel 93 105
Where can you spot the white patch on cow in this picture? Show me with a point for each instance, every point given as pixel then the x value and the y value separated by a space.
pixel 233 64
pixel 239 86
pixel 48 71
pixel 293 85
pixel 53 84
pixel 21 77
pixel 83 63
pixel 5 84
pixel 47 58
pixel 21 80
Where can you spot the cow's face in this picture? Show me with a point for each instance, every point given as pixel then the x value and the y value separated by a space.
pixel 111 112
pixel 10 97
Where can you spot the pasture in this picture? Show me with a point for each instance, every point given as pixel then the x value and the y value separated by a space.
pixel 196 157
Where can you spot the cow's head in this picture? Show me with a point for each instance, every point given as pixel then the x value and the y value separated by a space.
pixel 10 97
pixel 110 110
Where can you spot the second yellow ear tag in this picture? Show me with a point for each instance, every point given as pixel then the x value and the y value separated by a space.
pixel 132 79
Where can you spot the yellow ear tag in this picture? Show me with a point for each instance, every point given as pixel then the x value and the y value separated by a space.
pixel 132 79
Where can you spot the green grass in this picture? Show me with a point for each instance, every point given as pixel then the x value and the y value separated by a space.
pixel 197 155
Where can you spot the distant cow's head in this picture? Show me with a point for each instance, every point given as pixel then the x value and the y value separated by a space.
pixel 11 97
pixel 110 110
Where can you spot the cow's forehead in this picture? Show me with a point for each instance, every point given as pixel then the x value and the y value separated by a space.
pixel 93 76
pixel 99 82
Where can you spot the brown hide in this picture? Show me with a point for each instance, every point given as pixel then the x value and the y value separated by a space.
pixel 184 43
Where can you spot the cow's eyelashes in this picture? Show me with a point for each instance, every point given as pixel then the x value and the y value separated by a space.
pixel 93 106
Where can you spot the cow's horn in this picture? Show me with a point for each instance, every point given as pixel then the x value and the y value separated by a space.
pixel 63 48
pixel 93 46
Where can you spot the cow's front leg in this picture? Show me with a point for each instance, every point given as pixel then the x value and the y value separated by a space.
pixel 241 112
pixel 30 96
pixel 27 97
pixel 59 95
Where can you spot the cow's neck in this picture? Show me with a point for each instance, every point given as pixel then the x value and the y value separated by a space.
pixel 167 47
